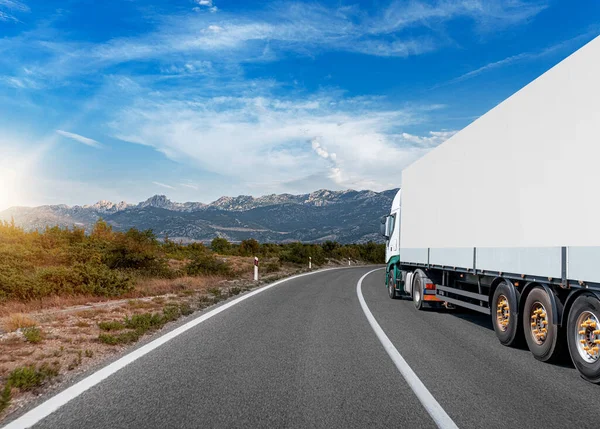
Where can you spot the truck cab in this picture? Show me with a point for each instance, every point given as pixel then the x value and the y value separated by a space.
pixel 390 230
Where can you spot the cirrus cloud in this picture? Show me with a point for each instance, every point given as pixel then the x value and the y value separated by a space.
pixel 254 140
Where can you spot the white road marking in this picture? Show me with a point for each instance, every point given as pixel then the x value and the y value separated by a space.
pixel 432 406
pixel 48 407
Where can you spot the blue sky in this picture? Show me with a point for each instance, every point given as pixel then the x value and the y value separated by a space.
pixel 195 99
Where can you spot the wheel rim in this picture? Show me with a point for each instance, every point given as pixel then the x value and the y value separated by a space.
pixel 391 286
pixel 588 336
pixel 539 322
pixel 417 294
pixel 502 313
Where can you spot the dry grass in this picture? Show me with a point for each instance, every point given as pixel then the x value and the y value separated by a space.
pixel 139 304
pixel 51 302
pixel 143 288
pixel 91 314
pixel 15 321
pixel 164 286
pixel 243 267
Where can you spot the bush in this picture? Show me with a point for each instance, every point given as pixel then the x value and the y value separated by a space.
pixel 33 334
pixel 144 322
pixel 220 245
pixel 5 397
pixel 203 264
pixel 139 324
pixel 170 312
pixel 28 377
pixel 272 266
pixel 298 253
pixel 122 338
pixel 98 279
pixel 112 325
pixel 249 247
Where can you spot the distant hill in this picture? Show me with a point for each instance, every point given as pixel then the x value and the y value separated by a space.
pixel 344 216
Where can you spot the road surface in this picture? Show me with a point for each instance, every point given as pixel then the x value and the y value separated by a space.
pixel 303 354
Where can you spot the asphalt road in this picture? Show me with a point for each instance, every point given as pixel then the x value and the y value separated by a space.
pixel 303 354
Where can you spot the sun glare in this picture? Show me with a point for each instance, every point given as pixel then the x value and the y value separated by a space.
pixel 9 186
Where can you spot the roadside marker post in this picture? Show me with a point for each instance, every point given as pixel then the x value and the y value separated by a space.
pixel 348 261
pixel 255 268
pixel 310 263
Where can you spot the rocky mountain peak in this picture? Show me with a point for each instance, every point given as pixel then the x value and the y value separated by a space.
pixel 158 201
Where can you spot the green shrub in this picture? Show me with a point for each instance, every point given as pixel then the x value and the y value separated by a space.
pixel 100 280
pixel 139 324
pixel 5 397
pixel 33 334
pixel 215 291
pixel 122 338
pixel 220 245
pixel 271 266
pixel 112 325
pixel 28 377
pixel 185 309
pixel 298 253
pixel 144 322
pixel 234 291
pixel 170 312
pixel 249 247
pixel 203 264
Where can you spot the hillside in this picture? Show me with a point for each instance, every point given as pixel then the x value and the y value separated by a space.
pixel 343 216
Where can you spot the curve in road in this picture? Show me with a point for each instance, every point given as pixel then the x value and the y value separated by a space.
pixel 305 355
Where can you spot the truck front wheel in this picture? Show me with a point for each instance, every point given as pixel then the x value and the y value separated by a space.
pixel 583 336
pixel 392 284
pixel 544 339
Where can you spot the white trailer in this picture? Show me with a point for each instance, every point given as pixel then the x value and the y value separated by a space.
pixel 504 217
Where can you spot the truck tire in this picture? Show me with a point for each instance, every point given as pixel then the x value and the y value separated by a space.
pixel 505 318
pixel 391 287
pixel 583 329
pixel 544 339
pixel 418 290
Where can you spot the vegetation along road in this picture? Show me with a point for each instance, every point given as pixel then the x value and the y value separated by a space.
pixel 303 353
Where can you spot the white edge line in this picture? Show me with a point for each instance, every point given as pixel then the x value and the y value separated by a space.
pixel 51 405
pixel 435 410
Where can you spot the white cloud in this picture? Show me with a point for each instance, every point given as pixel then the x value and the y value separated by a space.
pixel 487 15
pixel 304 28
pixel 206 3
pixel 9 7
pixel 187 68
pixel 81 139
pixel 189 185
pixel 566 45
pixel 433 139
pixel 163 185
pixel 254 140
pixel 14 5
pixel 19 82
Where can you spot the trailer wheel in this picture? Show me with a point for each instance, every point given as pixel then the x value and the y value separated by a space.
pixel 583 336
pixel 392 285
pixel 505 316
pixel 544 339
pixel 417 291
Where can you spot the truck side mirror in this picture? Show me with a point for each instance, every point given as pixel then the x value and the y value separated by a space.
pixel 383 227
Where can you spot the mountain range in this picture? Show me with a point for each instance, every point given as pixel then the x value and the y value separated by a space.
pixel 345 216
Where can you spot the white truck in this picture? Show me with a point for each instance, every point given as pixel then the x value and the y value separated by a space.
pixel 504 217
